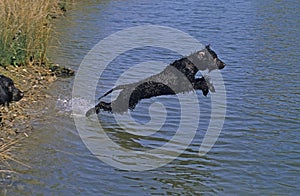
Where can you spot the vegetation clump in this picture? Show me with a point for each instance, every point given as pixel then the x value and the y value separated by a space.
pixel 25 30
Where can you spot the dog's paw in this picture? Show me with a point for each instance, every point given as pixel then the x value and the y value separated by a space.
pixel 205 91
pixel 90 112
pixel 209 84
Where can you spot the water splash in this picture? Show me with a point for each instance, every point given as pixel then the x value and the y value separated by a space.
pixel 67 105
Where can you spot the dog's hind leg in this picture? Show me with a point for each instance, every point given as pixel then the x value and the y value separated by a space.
pixel 103 106
pixel 100 106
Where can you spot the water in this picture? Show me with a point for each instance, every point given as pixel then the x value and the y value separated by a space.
pixel 258 149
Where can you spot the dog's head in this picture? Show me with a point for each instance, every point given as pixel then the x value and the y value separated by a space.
pixel 8 91
pixel 206 59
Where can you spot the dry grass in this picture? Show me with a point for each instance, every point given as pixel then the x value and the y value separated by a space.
pixel 5 155
pixel 25 29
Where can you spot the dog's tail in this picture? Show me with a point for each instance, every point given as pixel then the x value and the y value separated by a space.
pixel 107 93
pixel 111 90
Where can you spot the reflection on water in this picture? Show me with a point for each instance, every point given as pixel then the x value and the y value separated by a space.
pixel 258 150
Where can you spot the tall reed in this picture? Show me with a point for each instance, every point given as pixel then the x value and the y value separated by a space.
pixel 25 29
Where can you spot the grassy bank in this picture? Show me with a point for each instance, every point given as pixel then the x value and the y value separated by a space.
pixel 25 30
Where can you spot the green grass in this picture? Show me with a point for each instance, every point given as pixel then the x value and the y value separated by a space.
pixel 25 30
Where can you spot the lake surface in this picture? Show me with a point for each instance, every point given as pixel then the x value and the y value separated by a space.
pixel 258 150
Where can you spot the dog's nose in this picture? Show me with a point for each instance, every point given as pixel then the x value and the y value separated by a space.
pixel 21 95
pixel 221 65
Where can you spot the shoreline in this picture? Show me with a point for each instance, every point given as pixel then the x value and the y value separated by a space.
pixel 23 59
pixel 34 81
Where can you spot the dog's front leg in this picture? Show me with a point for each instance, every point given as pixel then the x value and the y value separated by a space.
pixel 201 84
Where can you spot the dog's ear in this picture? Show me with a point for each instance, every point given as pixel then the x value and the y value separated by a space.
pixel 207 46
pixel 202 54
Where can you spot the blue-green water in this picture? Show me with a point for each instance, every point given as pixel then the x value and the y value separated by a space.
pixel 258 151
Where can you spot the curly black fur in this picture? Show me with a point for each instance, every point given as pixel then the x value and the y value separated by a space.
pixel 8 92
pixel 177 77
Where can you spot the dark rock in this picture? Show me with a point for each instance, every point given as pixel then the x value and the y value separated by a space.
pixel 61 71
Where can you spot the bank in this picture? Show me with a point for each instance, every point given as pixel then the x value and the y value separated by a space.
pixel 34 82
pixel 26 30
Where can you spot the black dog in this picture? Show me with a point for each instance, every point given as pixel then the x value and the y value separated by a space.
pixel 177 77
pixel 8 91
